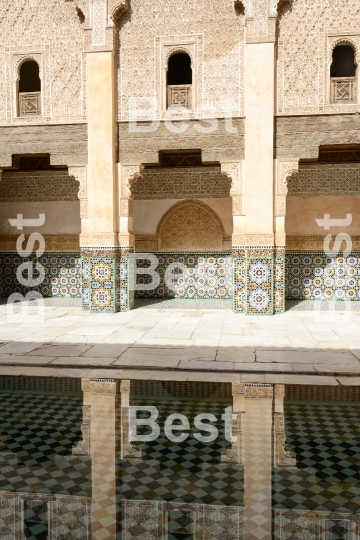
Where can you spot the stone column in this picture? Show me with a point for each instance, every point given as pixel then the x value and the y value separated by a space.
pixel 101 397
pixel 257 278
pixel 257 459
pixel 104 274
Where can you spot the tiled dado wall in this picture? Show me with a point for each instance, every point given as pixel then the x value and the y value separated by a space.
pixel 62 274
pixel 259 283
pixel 315 276
pixel 207 275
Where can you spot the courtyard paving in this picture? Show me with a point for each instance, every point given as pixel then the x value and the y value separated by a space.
pixel 178 342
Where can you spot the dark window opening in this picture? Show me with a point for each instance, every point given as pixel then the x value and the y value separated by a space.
pixel 179 69
pixel 29 77
pixel 343 64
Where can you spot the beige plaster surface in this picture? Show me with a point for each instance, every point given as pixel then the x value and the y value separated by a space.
pixel 301 213
pixel 306 345
pixel 147 214
pixel 61 217
pixel 101 142
pixel 259 136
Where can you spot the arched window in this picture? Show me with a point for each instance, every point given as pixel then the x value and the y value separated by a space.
pixel 29 89
pixel 179 80
pixel 343 75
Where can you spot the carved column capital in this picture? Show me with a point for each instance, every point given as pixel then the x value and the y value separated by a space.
pixel 99 386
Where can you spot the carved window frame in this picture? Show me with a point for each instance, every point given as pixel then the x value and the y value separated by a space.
pixel 191 44
pixel 333 40
pixel 15 59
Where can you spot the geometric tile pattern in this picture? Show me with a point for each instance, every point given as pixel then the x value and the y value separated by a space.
pixel 99 284
pixel 279 283
pixel 206 275
pixel 62 274
pixel 38 432
pixel 255 291
pixel 259 286
pixel 326 440
pixel 239 274
pixel 315 276
pixel 187 472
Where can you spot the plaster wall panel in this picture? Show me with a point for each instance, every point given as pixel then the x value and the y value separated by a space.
pixel 301 213
pixel 61 217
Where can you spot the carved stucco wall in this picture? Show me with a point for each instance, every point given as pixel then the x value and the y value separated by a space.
pixel 51 34
pixel 308 30
pixel 211 32
pixel 325 180
pixel 182 183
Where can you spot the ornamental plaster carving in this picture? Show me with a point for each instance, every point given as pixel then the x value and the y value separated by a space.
pixel 282 457
pixel 80 174
pixel 217 68
pixel 125 386
pixel 82 448
pixel 58 49
pixel 315 180
pixel 102 241
pixel 99 386
pixel 233 172
pixel 181 183
pixel 37 186
pixel 307 34
pixel 253 240
pixel 238 388
pixel 284 170
pixel 316 243
pixel 190 225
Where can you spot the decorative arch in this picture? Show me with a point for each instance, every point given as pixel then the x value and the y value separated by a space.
pixel 190 225
pixel 117 8
pixel 344 41
pixel 178 50
pixel 28 58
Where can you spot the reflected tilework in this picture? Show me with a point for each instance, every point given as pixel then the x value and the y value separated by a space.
pixel 207 275
pixel 188 472
pixel 326 441
pixel 259 286
pixel 62 274
pixel 38 432
pixel 315 276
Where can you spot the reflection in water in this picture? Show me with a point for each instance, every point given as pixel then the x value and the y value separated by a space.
pixel 282 463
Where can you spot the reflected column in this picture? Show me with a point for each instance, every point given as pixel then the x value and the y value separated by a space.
pixel 257 459
pixel 101 396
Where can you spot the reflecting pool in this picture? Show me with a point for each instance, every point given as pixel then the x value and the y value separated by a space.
pixel 170 460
